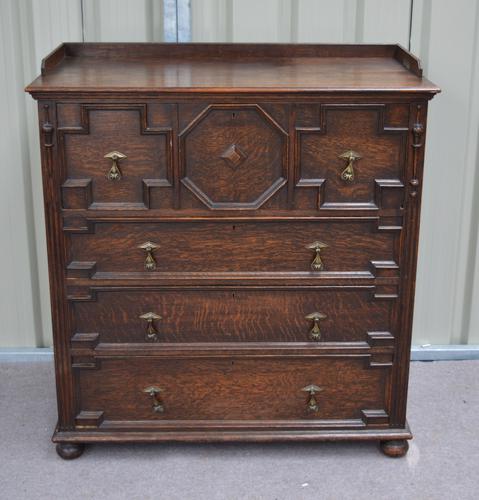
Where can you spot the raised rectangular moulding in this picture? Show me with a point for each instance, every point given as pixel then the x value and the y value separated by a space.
pixel 235 247
pixel 321 392
pixel 235 315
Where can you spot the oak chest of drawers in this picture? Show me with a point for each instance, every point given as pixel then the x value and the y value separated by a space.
pixel 232 235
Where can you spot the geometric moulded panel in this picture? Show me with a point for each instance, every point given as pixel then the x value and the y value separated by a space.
pixel 233 156
pixel 113 159
pixel 349 155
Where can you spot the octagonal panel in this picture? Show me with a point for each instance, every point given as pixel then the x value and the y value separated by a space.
pixel 233 156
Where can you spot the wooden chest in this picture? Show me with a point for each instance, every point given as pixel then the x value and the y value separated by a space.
pixel 232 235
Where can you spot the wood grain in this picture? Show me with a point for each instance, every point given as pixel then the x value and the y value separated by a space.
pixel 225 68
pixel 232 169
pixel 234 315
pixel 232 389
pixel 234 246
pixel 356 128
pixel 106 128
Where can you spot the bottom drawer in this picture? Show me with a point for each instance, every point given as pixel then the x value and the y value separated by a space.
pixel 160 391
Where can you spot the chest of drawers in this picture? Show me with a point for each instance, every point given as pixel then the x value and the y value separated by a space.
pixel 232 235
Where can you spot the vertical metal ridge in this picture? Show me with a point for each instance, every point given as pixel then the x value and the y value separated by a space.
pixel 82 20
pixel 183 20
pixel 176 18
pixel 229 21
pixel 411 9
pixel 472 156
pixel 294 22
pixel 360 12
pixel 170 21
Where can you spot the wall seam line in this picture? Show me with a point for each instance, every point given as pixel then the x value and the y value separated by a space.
pixel 411 9
pixel 471 256
pixel 82 17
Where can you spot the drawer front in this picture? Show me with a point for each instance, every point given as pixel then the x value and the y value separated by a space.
pixel 232 389
pixel 355 158
pixel 116 156
pixel 212 315
pixel 222 247
pixel 231 156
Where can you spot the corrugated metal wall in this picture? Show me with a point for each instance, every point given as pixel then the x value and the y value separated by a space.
pixel 443 34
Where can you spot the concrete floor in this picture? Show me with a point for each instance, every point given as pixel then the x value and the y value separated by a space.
pixel 442 463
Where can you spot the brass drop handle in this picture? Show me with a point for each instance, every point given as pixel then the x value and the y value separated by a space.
pixel 150 262
pixel 348 173
pixel 151 334
pixel 312 390
pixel 315 317
pixel 317 246
pixel 154 392
pixel 114 174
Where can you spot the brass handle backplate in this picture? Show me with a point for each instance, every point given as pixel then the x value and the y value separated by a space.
pixel 114 174
pixel 348 173
pixel 312 390
pixel 317 246
pixel 150 262
pixel 151 334
pixel 154 393
pixel 315 317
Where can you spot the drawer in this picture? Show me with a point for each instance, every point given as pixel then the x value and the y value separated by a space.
pixel 354 158
pixel 238 389
pixel 231 157
pixel 116 156
pixel 241 315
pixel 222 247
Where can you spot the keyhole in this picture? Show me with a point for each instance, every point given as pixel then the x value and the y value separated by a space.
pixel 233 115
pixel 233 227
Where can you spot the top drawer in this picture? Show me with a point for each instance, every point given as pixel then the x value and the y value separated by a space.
pixel 351 156
pixel 150 249
pixel 115 155
pixel 202 157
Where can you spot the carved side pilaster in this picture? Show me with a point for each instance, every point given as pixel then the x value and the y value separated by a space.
pixel 47 128
pixel 417 133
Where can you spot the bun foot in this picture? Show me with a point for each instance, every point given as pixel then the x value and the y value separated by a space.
pixel 395 448
pixel 69 451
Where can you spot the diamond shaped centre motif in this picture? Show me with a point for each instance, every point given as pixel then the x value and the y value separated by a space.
pixel 233 156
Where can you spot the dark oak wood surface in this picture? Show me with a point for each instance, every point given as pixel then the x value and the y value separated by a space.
pixel 235 315
pixel 230 68
pixel 233 389
pixel 229 162
pixel 232 247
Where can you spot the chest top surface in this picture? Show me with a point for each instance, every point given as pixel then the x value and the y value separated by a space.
pixel 230 68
